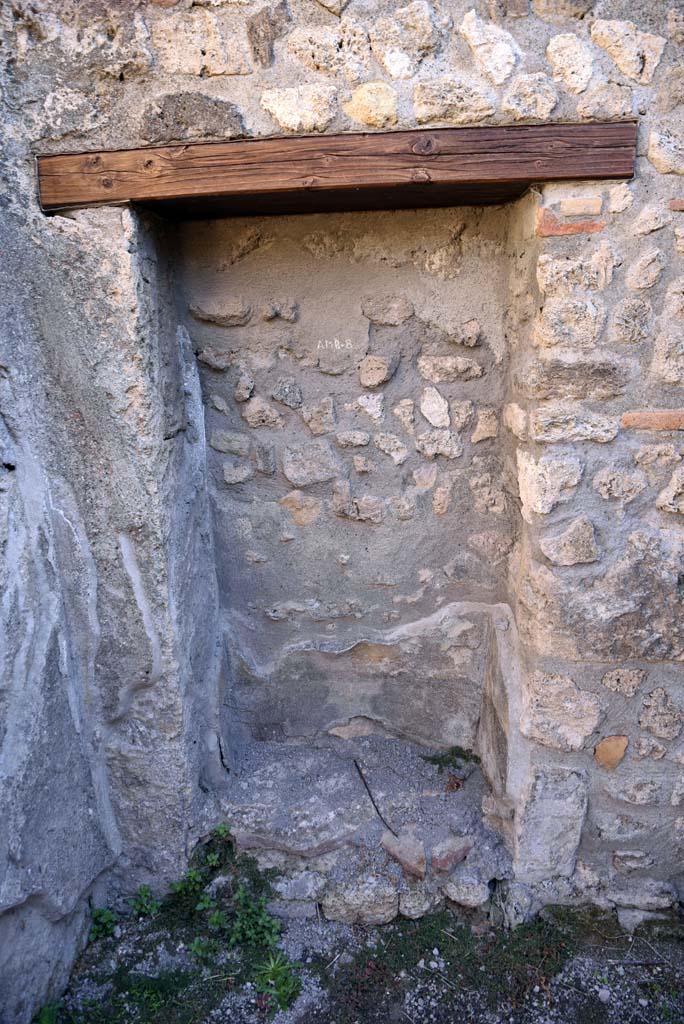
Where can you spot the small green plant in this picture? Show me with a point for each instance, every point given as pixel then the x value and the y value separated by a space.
pixel 219 920
pixel 277 978
pixel 191 883
pixel 49 1014
pixel 455 757
pixel 253 925
pixel 205 950
pixel 221 831
pixel 212 860
pixel 143 904
pixel 205 902
pixel 104 923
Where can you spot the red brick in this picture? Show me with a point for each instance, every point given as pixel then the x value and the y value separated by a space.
pixel 653 419
pixel 549 225
pixel 677 205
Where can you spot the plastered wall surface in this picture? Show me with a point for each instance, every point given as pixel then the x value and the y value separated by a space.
pixel 145 638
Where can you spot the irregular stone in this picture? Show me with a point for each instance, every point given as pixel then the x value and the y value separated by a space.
pixel 230 441
pixel 608 101
pixel 417 901
pixel 244 385
pixel 373 104
pixel 190 115
pixel 530 96
pixel 515 420
pixel 352 438
pixel 373 406
pixel 620 197
pixel 555 423
pixel 574 546
pixel 193 43
pixel 434 407
pixel 656 456
pixel 226 311
pixel 613 483
pixel 408 851
pixel 283 309
pixel 666 151
pixel 452 101
pixel 466 889
pixel 217 359
pixel 265 459
pixel 303 509
pixel 387 309
pixel 486 427
pixel 403 410
pixel 341 50
pixel 362 464
pixel 627 861
pixel 447 854
pixel 566 374
pixel 549 822
pixel 639 793
pixel 651 218
pixel 646 271
pixel 448 369
pixel 631 322
pixel 374 900
pixel 610 751
pixel 311 463
pixel 302 108
pixel 624 680
pixel 376 370
pixel 393 446
pixel 668 352
pixel 636 53
pixel 552 9
pixel 461 413
pixel 488 494
pixel 671 498
pixel 263 28
pixel 556 712
pixel 546 482
pixel 569 321
pixel 320 418
pixel 237 473
pixel 677 797
pixel 219 403
pixel 495 50
pixel 288 392
pixel 370 509
pixel 660 715
pixel 400 42
pixel 563 273
pixel 433 443
pixel 572 62
pixel 441 499
pixel 257 412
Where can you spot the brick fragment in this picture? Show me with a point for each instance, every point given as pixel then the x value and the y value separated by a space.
pixel 653 419
pixel 548 225
pixel 677 205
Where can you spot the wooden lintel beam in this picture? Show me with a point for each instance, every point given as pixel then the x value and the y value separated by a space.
pixel 424 167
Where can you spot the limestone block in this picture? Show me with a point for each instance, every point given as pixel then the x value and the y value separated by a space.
pixel 466 889
pixel 636 53
pixel 608 101
pixel 257 412
pixel 646 270
pixel 666 151
pixel 652 217
pixel 310 463
pixel 556 713
pixel 263 28
pixel 486 426
pixel 563 273
pixel 225 310
pixel 452 101
pixel 400 42
pixel 565 374
pixel 571 60
pixel 433 443
pixel 375 370
pixel 640 793
pixel 193 43
pixel 374 900
pixel 303 508
pixel 190 115
pixel 668 351
pixel 632 321
pixel 373 406
pixel 417 901
pixel 387 309
pixel 373 104
pixel 671 498
pixel 556 423
pixel 495 50
pixel 301 108
pixel 342 50
pixel 320 418
pixel 488 493
pixel 352 438
pixel 660 715
pixel 434 407
pixel 574 546
pixel 288 392
pixel 612 483
pixel 570 321
pixel 546 482
pixel 624 680
pixel 231 441
pixel 237 472
pixel 530 97
pixel 244 385
pixel 448 369
pixel 370 509
pixel 393 446
pixel 548 823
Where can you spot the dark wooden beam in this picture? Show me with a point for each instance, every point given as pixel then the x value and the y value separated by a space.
pixel 388 170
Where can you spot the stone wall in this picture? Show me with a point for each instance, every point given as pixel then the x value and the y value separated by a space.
pixel 115 515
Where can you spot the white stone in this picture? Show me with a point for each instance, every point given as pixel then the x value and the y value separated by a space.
pixel 548 824
pixel 554 423
pixel 646 270
pixel 609 101
pixel 192 43
pixel 432 443
pixel 302 108
pixel 434 407
pixel 652 217
pixel 571 60
pixel 666 151
pixel 530 97
pixel 311 463
pixel 393 446
pixel 546 482
pixel 372 405
pixel 373 104
pixel 636 53
pixel 556 713
pixel 451 101
pixel 448 369
pixel 400 42
pixel 671 498
pixel 495 50
pixel 573 546
pixel 341 50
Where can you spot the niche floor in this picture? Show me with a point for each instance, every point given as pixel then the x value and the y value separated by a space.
pixel 366 828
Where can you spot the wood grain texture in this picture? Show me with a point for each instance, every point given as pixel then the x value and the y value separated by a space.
pixel 389 170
